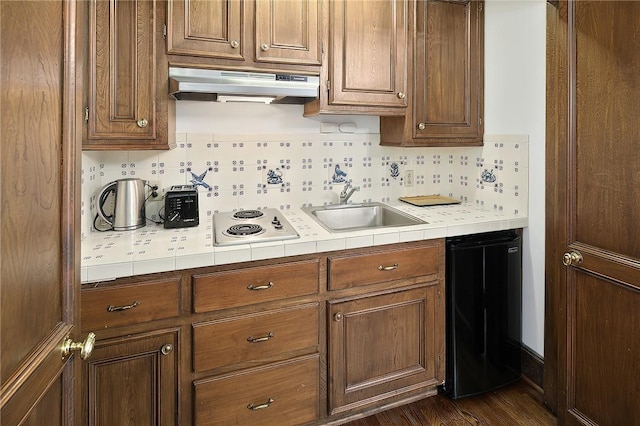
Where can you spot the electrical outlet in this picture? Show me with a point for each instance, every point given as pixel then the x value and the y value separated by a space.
pixel 408 178
pixel 154 189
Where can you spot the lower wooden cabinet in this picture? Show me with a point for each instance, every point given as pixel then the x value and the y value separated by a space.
pixel 328 338
pixel 133 380
pixel 385 345
pixel 285 393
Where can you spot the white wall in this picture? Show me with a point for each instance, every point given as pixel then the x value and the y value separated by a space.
pixel 515 63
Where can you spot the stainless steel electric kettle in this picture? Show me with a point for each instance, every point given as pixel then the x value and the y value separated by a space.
pixel 129 198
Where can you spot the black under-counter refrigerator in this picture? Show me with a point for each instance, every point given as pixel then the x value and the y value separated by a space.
pixel 484 312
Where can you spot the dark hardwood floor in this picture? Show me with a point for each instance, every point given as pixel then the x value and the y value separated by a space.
pixel 516 404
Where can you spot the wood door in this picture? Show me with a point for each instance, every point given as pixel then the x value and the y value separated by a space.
pixel 592 344
pixel 133 380
pixel 207 28
pixel 40 228
pixel 288 31
pixel 448 76
pixel 127 77
pixel 368 53
pixel 383 346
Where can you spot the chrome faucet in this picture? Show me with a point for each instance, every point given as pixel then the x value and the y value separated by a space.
pixel 347 192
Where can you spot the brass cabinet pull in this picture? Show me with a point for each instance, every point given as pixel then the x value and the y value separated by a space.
pixel 388 268
pixel 142 123
pixel 338 316
pixel 260 287
pixel 111 308
pixel 234 44
pixel 253 407
pixel 166 349
pixel 85 348
pixel 259 339
pixel 422 126
pixel 401 95
pixel 264 47
pixel 572 258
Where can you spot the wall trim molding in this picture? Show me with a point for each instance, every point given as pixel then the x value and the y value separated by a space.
pixel 532 367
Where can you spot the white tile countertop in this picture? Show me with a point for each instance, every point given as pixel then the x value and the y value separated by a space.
pixel 111 255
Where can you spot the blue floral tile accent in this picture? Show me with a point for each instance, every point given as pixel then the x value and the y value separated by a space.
pixel 274 177
pixel 340 174
pixel 488 176
pixel 394 170
pixel 198 180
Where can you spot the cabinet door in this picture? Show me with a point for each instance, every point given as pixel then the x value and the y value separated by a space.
pixel 122 69
pixel 368 53
pixel 448 71
pixel 385 345
pixel 207 28
pixel 287 31
pixel 133 380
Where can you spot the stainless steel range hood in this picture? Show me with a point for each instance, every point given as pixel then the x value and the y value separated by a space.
pixel 238 86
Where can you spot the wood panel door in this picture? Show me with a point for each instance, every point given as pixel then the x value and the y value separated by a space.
pixel 592 344
pixel 449 72
pixel 133 380
pixel 40 247
pixel 288 31
pixel 207 28
pixel 368 53
pixel 128 102
pixel 383 346
pixel 447 77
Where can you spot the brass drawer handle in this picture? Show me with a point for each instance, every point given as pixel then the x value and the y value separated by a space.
pixel 111 308
pixel 260 287
pixel 142 123
pixel 259 339
pixel 388 268
pixel 253 407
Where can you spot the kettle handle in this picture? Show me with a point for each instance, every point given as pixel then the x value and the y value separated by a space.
pixel 102 197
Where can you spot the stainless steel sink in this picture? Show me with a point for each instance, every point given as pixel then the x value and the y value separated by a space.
pixel 351 217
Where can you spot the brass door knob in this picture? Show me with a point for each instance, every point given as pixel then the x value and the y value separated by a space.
pixel 85 348
pixel 572 258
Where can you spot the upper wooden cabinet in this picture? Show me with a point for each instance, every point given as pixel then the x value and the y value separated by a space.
pixel 366 67
pixel 128 106
pixel 447 94
pixel 279 34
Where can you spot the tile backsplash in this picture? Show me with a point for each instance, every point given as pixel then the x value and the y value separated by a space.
pixel 236 171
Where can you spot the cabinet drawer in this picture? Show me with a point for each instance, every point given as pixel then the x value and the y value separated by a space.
pixel 278 394
pixel 346 271
pixel 129 304
pixel 254 337
pixel 254 285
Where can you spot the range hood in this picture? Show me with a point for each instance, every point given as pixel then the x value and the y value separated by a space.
pixel 238 86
